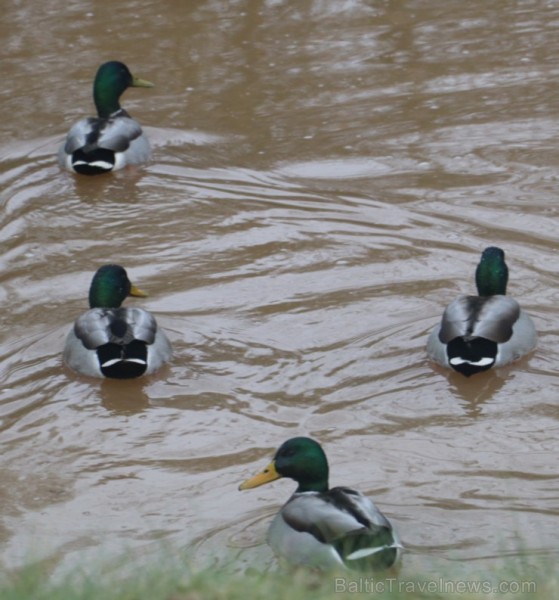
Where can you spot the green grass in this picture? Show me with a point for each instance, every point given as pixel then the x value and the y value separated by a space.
pixel 163 582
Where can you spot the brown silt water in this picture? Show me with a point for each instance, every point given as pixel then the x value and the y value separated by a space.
pixel 324 178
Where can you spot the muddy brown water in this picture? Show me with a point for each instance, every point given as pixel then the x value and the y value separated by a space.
pixel 325 175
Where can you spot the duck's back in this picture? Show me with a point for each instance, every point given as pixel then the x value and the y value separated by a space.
pixel 120 342
pixel 97 145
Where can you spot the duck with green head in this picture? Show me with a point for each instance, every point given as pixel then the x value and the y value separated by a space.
pixel 113 139
pixel 113 341
pixel 323 527
pixel 483 331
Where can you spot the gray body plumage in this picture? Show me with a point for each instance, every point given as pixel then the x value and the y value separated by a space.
pixel 123 328
pixel 312 528
pixel 104 144
pixel 502 330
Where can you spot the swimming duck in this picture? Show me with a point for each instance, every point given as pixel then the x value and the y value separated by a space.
pixel 113 341
pixel 113 139
pixel 483 331
pixel 322 527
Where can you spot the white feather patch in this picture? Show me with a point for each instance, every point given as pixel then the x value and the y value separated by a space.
pixel 115 361
pixel 482 362
pixel 99 164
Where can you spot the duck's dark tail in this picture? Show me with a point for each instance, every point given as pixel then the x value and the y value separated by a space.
pixel 123 362
pixel 100 160
pixel 469 355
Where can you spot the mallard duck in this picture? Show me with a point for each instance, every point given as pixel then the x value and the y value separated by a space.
pixel 322 527
pixel 113 341
pixel 113 139
pixel 483 331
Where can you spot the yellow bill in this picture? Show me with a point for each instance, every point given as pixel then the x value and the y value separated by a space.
pixel 137 292
pixel 265 476
pixel 137 82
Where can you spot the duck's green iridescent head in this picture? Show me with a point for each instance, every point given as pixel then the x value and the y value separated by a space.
pixel 110 286
pixel 112 79
pixel 492 273
pixel 299 458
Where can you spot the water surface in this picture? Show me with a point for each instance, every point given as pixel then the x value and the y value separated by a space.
pixel 324 179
